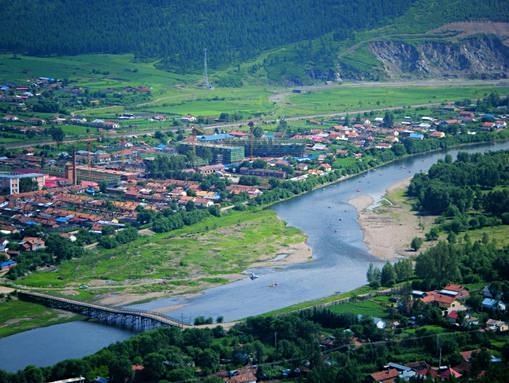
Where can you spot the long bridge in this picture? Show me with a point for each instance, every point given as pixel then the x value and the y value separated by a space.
pixel 131 319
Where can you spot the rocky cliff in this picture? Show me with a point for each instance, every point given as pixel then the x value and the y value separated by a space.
pixel 472 57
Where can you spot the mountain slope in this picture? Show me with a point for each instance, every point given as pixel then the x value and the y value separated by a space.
pixel 177 31
pixel 279 41
pixel 431 39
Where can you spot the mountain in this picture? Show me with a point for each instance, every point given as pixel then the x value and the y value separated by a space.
pixel 432 39
pixel 279 41
pixel 177 31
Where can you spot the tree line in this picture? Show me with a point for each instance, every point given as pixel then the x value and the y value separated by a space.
pixel 475 183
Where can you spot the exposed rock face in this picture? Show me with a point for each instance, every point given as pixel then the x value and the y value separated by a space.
pixel 474 57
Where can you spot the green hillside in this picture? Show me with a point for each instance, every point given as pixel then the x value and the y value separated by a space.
pixel 256 41
pixel 349 57
pixel 177 31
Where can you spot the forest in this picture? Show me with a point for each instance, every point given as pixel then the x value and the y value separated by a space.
pixel 475 183
pixel 313 346
pixel 178 31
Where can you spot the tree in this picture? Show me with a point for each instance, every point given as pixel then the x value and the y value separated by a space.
pixel 257 132
pixel 388 276
pixel 438 266
pixel 28 185
pixel 388 120
pixel 480 361
pixel 160 136
pixel 154 365
pixel 404 270
pixel 120 370
pixel 416 243
pixel 208 359
pixel 57 134
pixel 432 235
pixel 373 276
pixel 33 374
pixel 103 185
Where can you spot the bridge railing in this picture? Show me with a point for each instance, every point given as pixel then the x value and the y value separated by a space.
pixel 141 313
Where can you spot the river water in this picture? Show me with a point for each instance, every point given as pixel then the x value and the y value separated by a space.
pixel 340 261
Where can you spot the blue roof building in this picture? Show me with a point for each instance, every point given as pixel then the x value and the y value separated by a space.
pixel 416 136
pixel 214 137
pixel 493 304
pixel 7 264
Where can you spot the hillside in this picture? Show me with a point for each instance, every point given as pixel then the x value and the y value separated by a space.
pixel 177 31
pixel 432 39
pixel 279 42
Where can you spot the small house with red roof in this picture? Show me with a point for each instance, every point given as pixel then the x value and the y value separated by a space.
pixel 385 376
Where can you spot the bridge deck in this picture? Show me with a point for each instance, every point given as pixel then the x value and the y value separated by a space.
pixel 158 317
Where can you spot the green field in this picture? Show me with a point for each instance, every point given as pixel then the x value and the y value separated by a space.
pixel 202 254
pixel 178 94
pixel 374 307
pixel 499 234
pixel 17 316
pixel 350 98
pixel 96 71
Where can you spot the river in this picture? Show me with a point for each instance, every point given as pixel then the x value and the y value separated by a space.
pixel 340 261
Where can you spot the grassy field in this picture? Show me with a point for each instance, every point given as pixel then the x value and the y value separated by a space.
pixel 17 316
pixel 93 71
pixel 202 254
pixel 178 94
pixel 374 307
pixel 500 234
pixel 351 98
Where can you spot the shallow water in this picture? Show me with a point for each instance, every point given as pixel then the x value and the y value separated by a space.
pixel 340 261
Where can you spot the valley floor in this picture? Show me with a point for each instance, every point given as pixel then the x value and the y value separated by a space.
pixel 213 252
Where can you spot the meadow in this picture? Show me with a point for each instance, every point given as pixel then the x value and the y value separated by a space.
pixel 350 98
pixel 17 316
pixel 178 94
pixel 373 307
pixel 206 253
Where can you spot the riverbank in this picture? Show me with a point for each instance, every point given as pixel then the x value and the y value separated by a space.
pixel 18 316
pixel 390 225
pixel 292 254
pixel 491 141
pixel 210 253
pixel 105 277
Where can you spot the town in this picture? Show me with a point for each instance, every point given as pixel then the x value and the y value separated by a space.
pixel 267 191
pixel 61 199
pixel 90 191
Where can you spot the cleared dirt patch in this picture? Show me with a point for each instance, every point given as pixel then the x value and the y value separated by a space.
pixel 465 29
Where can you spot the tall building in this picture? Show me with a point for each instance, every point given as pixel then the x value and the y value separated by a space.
pixel 225 154
pixel 11 182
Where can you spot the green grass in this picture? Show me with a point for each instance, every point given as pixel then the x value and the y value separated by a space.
pixel 17 316
pixel 94 71
pixel 350 98
pixel 202 253
pixel 320 302
pixel 499 234
pixel 435 329
pixel 373 307
pixel 177 94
